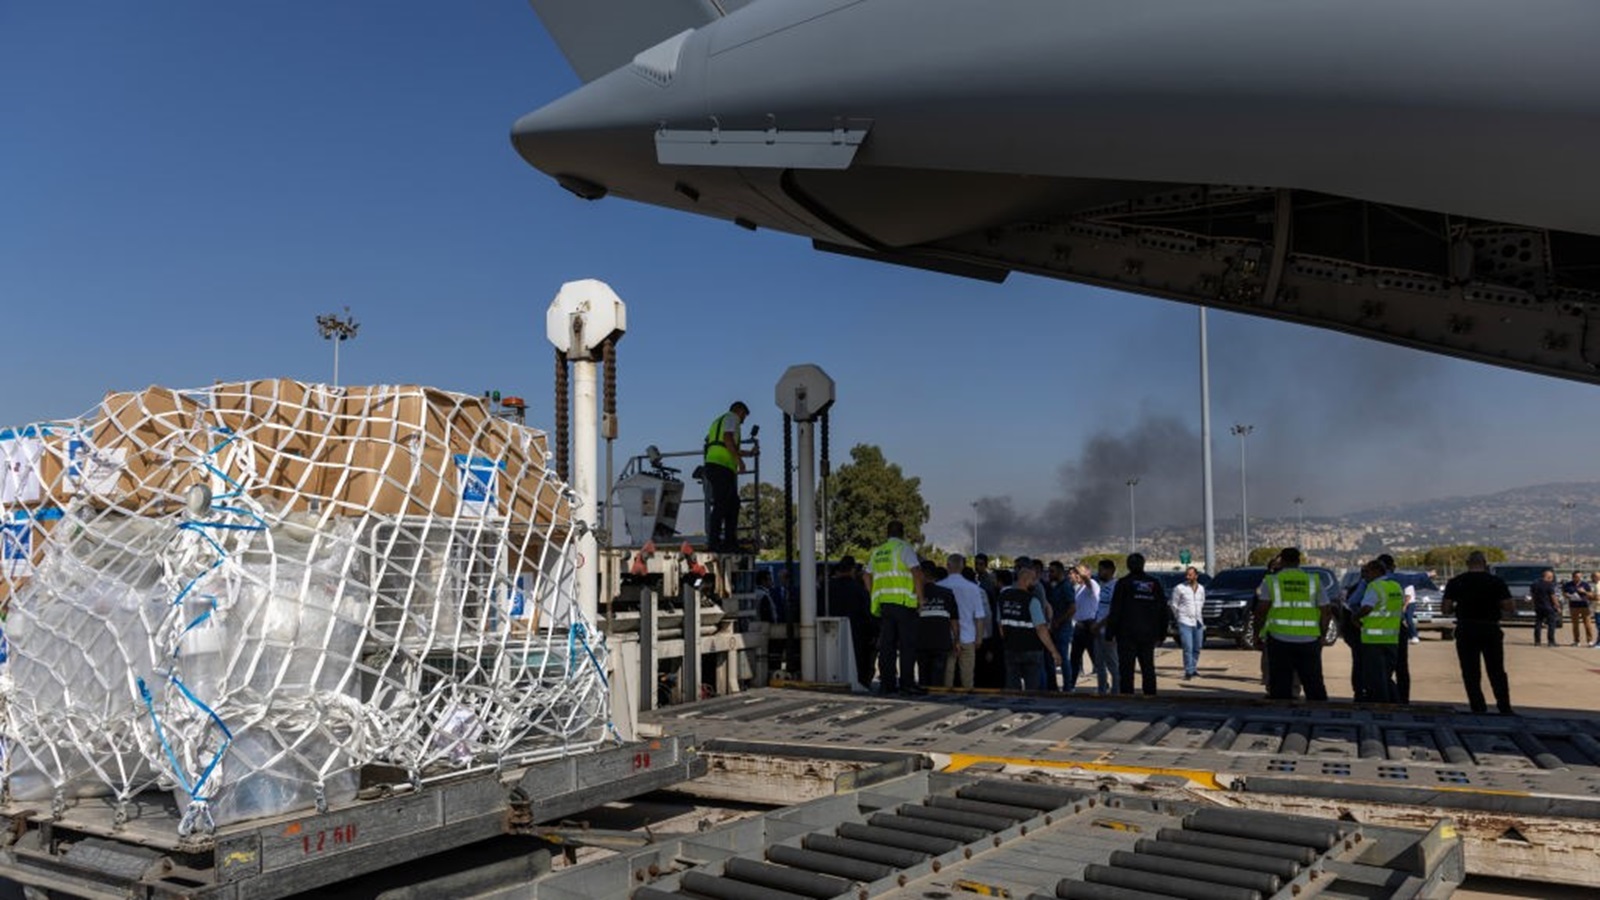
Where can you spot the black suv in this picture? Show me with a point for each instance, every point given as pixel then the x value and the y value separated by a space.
pixel 1231 599
pixel 1519 577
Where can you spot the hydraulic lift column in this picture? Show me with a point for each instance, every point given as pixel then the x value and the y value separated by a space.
pixel 583 316
pixel 804 393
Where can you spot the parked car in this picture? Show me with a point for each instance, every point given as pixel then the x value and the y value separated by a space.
pixel 1171 579
pixel 1231 599
pixel 1519 576
pixel 1429 607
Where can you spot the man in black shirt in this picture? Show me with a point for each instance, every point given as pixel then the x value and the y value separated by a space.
pixel 1138 622
pixel 936 626
pixel 1477 599
pixel 847 597
pixel 1546 613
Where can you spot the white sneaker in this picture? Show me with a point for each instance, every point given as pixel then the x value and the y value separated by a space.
pixel 1416 640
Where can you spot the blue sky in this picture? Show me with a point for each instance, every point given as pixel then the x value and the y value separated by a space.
pixel 184 186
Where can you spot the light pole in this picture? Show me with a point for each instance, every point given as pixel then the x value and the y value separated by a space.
pixel 336 329
pixel 974 529
pixel 1572 549
pixel 1243 431
pixel 1300 524
pixel 1133 518
pixel 1207 500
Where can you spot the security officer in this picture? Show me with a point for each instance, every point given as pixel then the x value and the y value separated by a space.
pixel 1294 612
pixel 1378 618
pixel 723 462
pixel 894 578
pixel 1138 622
pixel 936 626
pixel 1025 629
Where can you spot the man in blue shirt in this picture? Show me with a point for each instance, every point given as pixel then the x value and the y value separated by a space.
pixel 1576 592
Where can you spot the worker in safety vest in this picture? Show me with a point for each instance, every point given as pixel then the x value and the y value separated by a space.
pixel 723 463
pixel 1378 618
pixel 1294 615
pixel 894 578
pixel 1408 593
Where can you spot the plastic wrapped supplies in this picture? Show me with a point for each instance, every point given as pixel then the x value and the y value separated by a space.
pixel 250 592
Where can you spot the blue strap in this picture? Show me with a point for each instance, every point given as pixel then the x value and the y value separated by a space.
pixel 227 736
pixel 224 476
pixel 221 526
pixel 194 581
pixel 242 512
pixel 149 704
pixel 578 632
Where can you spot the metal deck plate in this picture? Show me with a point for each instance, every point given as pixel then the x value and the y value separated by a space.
pixel 1050 835
pixel 1525 792
pixel 1216 745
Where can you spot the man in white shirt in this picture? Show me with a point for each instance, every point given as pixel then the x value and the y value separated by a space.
pixel 972 613
pixel 1188 602
pixel 1085 612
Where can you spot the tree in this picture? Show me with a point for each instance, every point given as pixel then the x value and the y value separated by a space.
pixel 770 506
pixel 1453 558
pixel 1260 556
pixel 869 492
pixel 1092 560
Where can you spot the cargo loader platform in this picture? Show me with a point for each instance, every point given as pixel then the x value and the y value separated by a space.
pixel 1524 792
pixel 944 835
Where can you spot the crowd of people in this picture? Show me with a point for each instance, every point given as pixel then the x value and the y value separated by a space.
pixel 1041 626
pixel 949 623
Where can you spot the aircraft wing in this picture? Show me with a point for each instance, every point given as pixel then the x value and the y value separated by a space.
pixel 1422 173
pixel 598 36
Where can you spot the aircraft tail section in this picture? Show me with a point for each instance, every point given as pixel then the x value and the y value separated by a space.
pixel 598 36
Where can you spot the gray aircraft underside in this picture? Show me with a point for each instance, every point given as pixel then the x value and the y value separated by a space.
pixel 1423 172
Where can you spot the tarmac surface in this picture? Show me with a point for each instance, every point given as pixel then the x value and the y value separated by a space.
pixel 1544 681
pixel 1559 680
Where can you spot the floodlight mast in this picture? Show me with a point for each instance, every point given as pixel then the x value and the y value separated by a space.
pixel 338 329
pixel 805 392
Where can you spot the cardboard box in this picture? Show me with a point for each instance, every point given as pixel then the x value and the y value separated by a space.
pixel 390 449
pixel 145 449
pixel 419 451
pixel 283 438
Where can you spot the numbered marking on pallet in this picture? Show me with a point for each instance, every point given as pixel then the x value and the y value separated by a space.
pixel 323 840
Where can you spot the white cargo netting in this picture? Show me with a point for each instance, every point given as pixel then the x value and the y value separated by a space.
pixel 246 593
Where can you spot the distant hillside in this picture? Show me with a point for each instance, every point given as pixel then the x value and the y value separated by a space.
pixel 1529 522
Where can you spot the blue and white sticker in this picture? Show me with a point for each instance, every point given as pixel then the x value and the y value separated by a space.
pixel 476 480
pixel 91 470
pixel 16 546
pixel 519 599
pixel 20 453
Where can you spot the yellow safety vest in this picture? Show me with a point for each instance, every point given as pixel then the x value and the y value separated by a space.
pixel 891 580
pixel 716 451
pixel 1294 605
pixel 1382 625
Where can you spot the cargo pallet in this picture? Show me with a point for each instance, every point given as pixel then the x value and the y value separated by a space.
pixel 92 851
